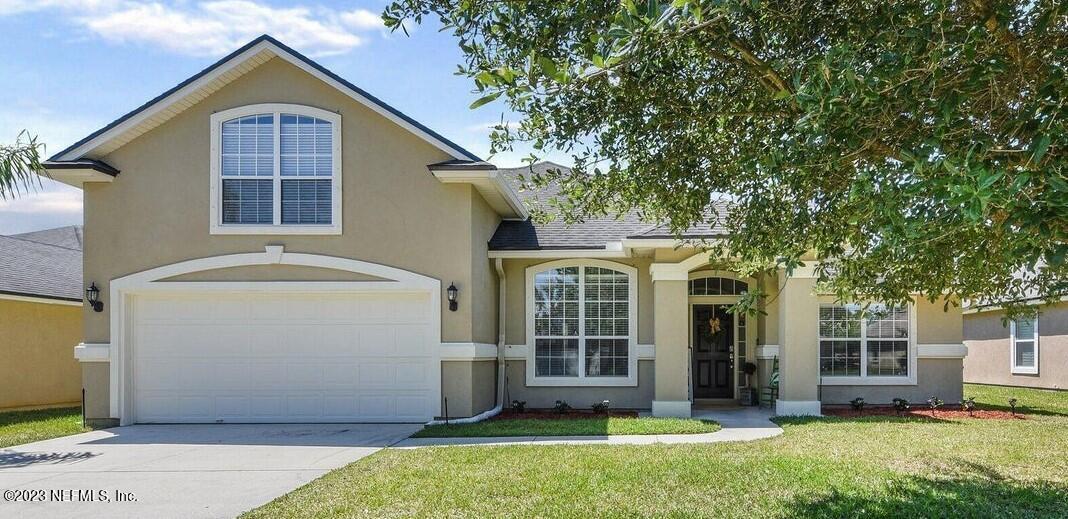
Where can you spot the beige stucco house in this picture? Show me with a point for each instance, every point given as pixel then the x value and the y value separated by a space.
pixel 275 244
pixel 1028 351
pixel 40 317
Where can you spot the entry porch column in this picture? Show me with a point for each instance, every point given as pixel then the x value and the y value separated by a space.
pixel 671 394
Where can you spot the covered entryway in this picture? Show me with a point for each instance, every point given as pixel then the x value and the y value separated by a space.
pixel 713 351
pixel 282 357
pixel 275 351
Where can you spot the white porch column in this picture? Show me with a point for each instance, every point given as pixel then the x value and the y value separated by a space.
pixel 799 345
pixel 671 394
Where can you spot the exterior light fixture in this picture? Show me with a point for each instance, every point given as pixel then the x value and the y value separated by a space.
pixel 92 294
pixel 451 293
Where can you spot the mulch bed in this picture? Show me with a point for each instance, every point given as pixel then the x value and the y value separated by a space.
pixel 952 413
pixel 549 414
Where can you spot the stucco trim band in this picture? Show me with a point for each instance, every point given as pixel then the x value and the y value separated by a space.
pixel 93 352
pixel 468 351
pixel 671 408
pixel 941 351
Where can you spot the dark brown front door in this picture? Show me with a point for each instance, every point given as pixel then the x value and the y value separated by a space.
pixel 713 352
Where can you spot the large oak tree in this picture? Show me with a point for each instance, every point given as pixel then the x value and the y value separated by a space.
pixel 913 146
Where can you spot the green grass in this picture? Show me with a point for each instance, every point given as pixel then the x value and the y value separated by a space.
pixel 1044 402
pixel 820 467
pixel 18 427
pixel 600 426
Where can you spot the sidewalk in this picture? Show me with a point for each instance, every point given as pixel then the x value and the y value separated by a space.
pixel 738 424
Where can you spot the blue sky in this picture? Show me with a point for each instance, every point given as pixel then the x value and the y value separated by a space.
pixel 68 67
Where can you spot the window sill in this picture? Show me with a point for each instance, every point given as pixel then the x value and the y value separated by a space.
pixel 276 229
pixel 582 382
pixel 1024 371
pixel 868 381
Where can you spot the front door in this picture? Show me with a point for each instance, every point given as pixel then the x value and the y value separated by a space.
pixel 713 351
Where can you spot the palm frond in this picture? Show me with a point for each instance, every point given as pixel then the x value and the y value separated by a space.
pixel 20 165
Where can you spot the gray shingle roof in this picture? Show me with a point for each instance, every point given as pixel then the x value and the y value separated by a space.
pixel 69 236
pixel 593 233
pixel 44 268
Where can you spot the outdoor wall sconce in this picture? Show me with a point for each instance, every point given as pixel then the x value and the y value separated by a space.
pixel 451 293
pixel 92 294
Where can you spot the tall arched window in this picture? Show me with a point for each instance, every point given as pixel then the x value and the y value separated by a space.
pixel 581 323
pixel 276 169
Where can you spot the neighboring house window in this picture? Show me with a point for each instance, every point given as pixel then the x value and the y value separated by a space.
pixel 276 170
pixel 1024 333
pixel 582 319
pixel 855 342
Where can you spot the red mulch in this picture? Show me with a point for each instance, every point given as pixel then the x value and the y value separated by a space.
pixel 549 414
pixel 952 413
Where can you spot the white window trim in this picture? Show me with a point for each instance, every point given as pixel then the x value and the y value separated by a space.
pixel 632 327
pixel 216 225
pixel 863 379
pixel 1022 370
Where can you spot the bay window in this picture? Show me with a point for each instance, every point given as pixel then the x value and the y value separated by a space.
pixel 581 324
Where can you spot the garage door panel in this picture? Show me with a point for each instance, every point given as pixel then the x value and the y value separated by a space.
pixel 262 357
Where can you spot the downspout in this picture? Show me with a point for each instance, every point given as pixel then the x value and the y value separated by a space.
pixel 502 292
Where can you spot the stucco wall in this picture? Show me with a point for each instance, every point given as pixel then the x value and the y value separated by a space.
pixel 469 386
pixel 37 365
pixel 395 212
pixel 934 377
pixel 989 350
pixel 541 397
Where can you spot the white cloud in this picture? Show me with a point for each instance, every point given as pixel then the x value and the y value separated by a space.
pixel 362 19
pixel 210 28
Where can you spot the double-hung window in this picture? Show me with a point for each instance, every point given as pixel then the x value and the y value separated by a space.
pixel 276 169
pixel 1024 333
pixel 581 322
pixel 865 344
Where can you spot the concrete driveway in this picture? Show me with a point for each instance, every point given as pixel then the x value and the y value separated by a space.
pixel 186 471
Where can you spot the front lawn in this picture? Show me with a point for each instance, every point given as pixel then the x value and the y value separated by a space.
pixel 820 467
pixel 585 426
pixel 18 427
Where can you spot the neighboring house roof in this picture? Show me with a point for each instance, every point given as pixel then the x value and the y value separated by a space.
pixel 185 94
pixel 40 264
pixel 69 237
pixel 591 233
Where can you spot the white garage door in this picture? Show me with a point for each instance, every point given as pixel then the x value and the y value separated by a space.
pixel 283 357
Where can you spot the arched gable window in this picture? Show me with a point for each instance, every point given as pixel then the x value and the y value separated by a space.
pixel 276 169
pixel 581 323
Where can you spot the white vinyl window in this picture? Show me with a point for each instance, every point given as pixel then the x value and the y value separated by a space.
pixel 581 323
pixel 858 344
pixel 276 169
pixel 1024 332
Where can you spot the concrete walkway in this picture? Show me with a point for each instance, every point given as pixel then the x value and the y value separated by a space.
pixel 738 424
pixel 179 471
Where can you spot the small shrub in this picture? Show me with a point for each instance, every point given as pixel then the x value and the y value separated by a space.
pixel 601 407
pixel 519 405
pixel 561 407
pixel 1012 406
pixel 934 403
pixel 901 405
pixel 968 404
pixel 857 403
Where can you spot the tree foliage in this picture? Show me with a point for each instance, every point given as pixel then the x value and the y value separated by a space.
pixel 914 146
pixel 20 165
